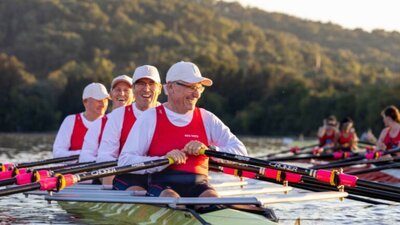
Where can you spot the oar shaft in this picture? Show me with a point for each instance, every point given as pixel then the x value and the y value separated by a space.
pixel 300 157
pixel 79 169
pixel 364 161
pixel 294 150
pixel 122 169
pixel 306 186
pixel 19 189
pixel 48 161
pixel 353 192
pixel 9 181
pixel 60 181
pixel 57 167
pixel 364 191
pixel 338 164
pixel 333 178
pixel 379 168
pixel 262 163
pixel 378 186
pixel 368 156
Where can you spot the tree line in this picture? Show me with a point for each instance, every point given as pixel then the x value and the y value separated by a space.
pixel 273 74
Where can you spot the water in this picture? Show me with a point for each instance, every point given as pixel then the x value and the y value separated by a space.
pixel 17 209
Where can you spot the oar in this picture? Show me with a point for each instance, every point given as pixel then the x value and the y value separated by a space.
pixel 5 167
pixel 334 155
pixel 294 150
pixel 363 161
pixel 365 143
pixel 367 155
pixel 252 172
pixel 59 181
pixel 36 175
pixel 331 177
pixel 12 172
pixel 295 180
pixel 378 168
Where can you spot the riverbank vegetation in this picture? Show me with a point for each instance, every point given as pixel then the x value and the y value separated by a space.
pixel 273 74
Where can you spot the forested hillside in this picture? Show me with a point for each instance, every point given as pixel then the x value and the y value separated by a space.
pixel 273 74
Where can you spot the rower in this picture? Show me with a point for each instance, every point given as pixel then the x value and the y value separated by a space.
pixel 69 139
pixel 179 130
pixel 121 95
pixel 390 135
pixel 348 139
pixel 146 89
pixel 328 134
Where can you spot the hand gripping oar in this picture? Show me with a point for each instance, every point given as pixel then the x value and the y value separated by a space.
pixel 295 180
pixel 59 181
pixel 8 166
pixel 294 150
pixel 36 175
pixel 368 156
pixel 333 178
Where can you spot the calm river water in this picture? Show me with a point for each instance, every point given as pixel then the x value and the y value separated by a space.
pixel 17 209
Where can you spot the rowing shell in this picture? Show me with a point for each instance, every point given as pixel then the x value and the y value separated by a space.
pixel 122 207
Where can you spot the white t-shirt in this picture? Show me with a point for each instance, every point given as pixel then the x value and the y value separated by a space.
pixel 109 145
pixel 62 142
pixel 141 135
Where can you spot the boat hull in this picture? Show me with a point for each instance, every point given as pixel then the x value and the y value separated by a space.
pixel 121 213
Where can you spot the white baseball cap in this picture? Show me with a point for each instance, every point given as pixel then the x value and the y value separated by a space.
pixel 146 71
pixel 188 72
pixel 95 90
pixel 121 78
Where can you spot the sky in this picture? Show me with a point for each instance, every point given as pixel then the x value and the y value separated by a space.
pixel 365 14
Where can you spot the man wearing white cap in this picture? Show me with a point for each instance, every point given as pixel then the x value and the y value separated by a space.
pixel 146 89
pixel 69 139
pixel 121 95
pixel 178 129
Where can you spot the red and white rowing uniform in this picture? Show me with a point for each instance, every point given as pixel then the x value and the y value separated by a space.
pixel 391 142
pixel 92 140
pixel 139 141
pixel 177 138
pixel 70 136
pixel 328 138
pixel 119 124
pixel 346 140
